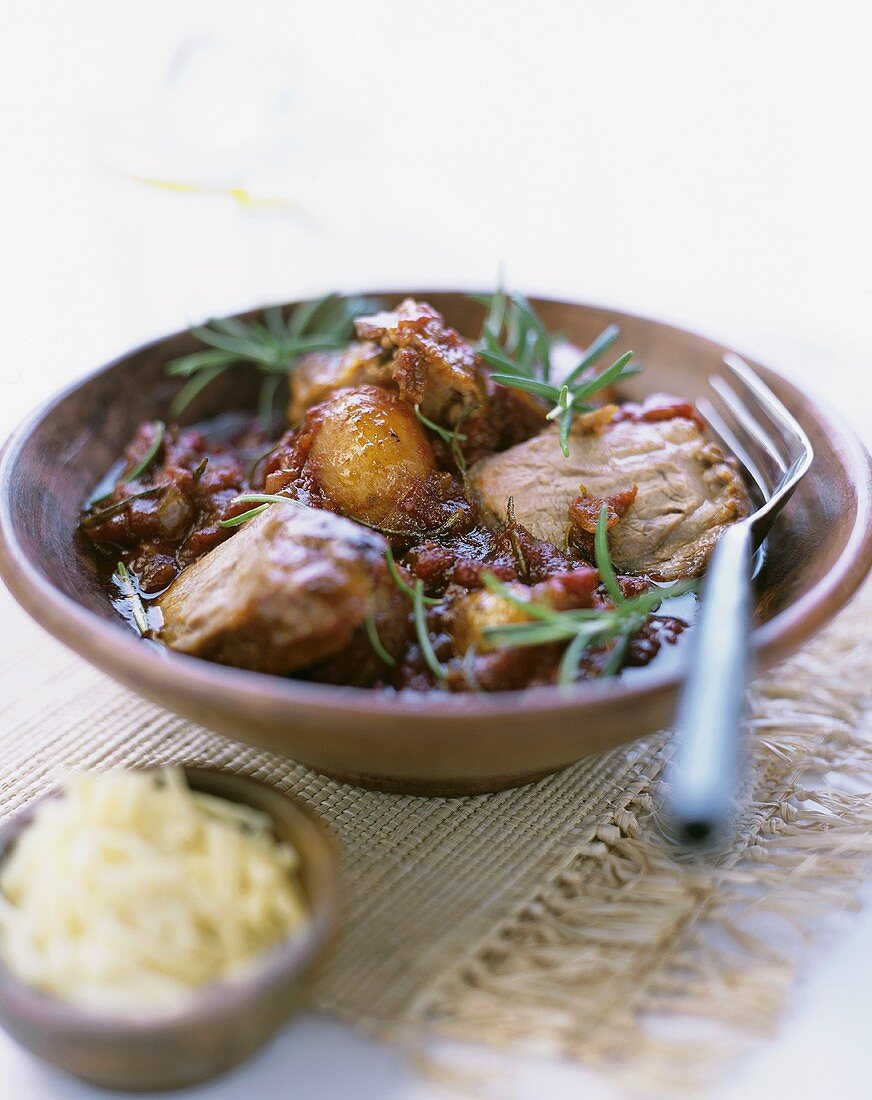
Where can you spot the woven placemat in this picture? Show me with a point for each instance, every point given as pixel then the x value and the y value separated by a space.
pixel 546 918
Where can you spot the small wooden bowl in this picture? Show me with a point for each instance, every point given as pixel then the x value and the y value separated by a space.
pixel 220 1025
pixel 819 551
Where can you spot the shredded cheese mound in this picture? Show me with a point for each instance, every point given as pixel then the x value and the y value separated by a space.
pixel 130 890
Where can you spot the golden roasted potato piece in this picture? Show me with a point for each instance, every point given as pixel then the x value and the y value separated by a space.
pixel 318 375
pixel 368 452
pixel 472 612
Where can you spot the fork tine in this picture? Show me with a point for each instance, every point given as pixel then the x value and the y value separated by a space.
pixel 730 441
pixel 769 405
pixel 749 424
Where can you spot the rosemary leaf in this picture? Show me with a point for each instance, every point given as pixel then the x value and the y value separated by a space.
pixel 275 321
pixel 617 656
pixel 568 671
pixel 529 385
pixel 149 457
pixel 263 499
pixel 140 467
pixel 231 326
pixel 515 342
pixel 376 642
pixel 285 357
pixel 513 337
pixel 243 517
pixel 273 346
pixel 266 400
pixel 495 358
pixel 603 558
pixel 565 428
pixel 199 381
pixel 199 360
pixel 398 580
pixel 128 590
pixel 412 536
pixel 418 601
pixel 529 634
pixel 443 433
pixel 615 373
pixel 534 610
pixel 453 437
pixel 242 347
pixel 564 402
pixel 94 519
pixel 593 352
pixel 302 316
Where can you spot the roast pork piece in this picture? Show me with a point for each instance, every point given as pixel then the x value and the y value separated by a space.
pixel 686 493
pixel 288 590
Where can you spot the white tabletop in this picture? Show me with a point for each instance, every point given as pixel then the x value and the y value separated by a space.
pixel 707 164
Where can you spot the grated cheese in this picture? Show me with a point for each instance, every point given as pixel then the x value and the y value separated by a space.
pixel 130 890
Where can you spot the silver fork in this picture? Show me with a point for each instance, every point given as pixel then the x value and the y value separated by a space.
pixel 703 776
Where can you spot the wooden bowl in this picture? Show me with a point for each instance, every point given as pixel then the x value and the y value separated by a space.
pixel 820 550
pixel 222 1024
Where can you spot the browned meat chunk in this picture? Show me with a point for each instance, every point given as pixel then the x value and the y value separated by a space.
pixel 290 589
pixel 432 364
pixel 170 514
pixel 584 513
pixel 510 554
pixel 686 493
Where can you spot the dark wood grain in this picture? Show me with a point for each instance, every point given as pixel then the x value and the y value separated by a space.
pixel 224 1023
pixel 819 552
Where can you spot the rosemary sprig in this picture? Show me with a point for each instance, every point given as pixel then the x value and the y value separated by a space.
pixel 603 558
pixel 273 345
pixel 376 642
pixel 569 400
pixel 263 500
pixel 420 603
pixel 243 517
pixel 94 519
pixel 452 436
pixel 513 337
pixel 583 628
pixel 515 342
pixel 424 642
pixel 141 466
pixel 398 580
pixel 128 590
pixel 266 400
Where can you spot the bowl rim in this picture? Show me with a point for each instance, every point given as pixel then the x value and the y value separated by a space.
pixel 285 963
pixel 113 647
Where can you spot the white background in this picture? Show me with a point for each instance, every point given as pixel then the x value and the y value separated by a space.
pixel 704 163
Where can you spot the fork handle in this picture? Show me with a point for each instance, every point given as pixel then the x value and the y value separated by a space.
pixel 702 779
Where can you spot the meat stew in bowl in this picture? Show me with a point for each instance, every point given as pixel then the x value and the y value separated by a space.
pixel 430 513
